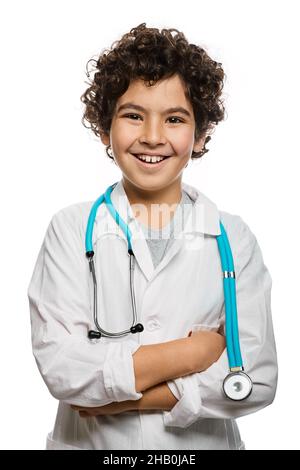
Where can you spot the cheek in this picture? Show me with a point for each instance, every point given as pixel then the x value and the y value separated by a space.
pixel 182 141
pixel 121 138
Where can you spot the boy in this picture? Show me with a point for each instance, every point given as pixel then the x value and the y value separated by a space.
pixel 153 101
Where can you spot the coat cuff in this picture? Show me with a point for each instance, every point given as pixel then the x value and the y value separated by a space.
pixel 176 387
pixel 118 371
pixel 187 409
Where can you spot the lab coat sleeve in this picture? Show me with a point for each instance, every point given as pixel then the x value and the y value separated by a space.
pixel 202 395
pixel 176 387
pixel 75 370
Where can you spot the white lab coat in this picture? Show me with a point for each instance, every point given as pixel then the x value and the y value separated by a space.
pixel 183 293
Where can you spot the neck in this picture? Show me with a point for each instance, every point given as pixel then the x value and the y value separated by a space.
pixel 153 215
pixel 168 195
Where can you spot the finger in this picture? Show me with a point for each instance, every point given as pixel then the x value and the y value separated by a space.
pixel 81 408
pixel 75 407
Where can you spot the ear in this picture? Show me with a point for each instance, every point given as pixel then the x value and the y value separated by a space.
pixel 198 145
pixel 104 138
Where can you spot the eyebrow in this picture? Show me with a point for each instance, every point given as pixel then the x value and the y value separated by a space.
pixel 176 109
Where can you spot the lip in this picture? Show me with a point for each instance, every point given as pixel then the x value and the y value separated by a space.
pixel 151 166
pixel 151 154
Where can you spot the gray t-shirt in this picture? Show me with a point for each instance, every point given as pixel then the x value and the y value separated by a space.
pixel 159 241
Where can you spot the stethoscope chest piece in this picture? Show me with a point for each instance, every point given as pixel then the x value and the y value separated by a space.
pixel 237 386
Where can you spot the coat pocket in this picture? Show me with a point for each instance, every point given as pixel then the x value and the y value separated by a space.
pixel 201 326
pixel 204 327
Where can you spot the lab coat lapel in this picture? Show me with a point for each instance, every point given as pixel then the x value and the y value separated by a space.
pixel 138 241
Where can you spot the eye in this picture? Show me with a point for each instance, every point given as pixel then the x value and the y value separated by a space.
pixel 174 117
pixel 138 116
pixel 129 115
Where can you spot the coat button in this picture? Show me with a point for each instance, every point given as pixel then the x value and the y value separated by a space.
pixel 152 325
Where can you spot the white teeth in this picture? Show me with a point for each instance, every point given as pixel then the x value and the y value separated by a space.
pixel 148 159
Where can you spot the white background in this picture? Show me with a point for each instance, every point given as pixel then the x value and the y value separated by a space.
pixel 49 161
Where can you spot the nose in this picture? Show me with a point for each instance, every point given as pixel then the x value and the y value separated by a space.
pixel 152 133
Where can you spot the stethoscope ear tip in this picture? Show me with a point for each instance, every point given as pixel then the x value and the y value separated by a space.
pixel 138 328
pixel 94 334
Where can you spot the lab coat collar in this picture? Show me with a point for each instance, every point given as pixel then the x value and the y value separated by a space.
pixel 203 219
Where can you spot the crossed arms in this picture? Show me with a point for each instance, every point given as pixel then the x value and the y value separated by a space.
pixel 154 364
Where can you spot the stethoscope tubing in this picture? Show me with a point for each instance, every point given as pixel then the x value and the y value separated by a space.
pixel 229 286
pixel 89 250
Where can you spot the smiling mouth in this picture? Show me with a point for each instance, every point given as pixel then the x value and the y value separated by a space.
pixel 150 162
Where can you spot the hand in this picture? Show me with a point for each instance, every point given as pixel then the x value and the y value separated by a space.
pixel 207 347
pixel 110 409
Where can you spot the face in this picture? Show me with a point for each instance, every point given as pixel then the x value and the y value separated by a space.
pixel 143 124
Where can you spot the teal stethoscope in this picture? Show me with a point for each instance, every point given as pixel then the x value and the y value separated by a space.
pixel 237 385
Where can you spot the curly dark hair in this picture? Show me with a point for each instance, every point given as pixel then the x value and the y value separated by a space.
pixel 150 55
